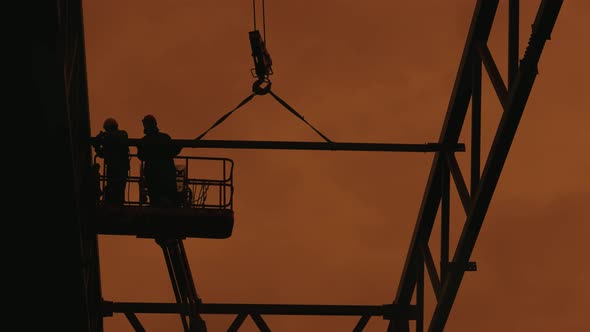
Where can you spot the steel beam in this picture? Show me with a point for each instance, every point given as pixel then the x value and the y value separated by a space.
pixel 445 212
pixel 513 37
pixel 408 311
pixel 494 74
pixel 479 31
pixel 238 321
pixel 475 125
pixel 460 182
pixel 361 324
pixel 431 269
pixel 544 22
pixel 260 323
pixel 134 321
pixel 322 146
pixel 420 297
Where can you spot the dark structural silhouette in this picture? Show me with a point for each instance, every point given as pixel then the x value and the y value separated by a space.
pixel 111 145
pixel 433 270
pixel 157 152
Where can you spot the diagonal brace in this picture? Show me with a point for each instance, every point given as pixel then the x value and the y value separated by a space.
pixel 494 74
pixel 459 182
pixel 520 91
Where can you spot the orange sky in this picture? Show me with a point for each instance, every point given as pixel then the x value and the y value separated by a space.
pixel 334 227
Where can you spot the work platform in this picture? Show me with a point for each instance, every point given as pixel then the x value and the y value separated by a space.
pixel 151 222
pixel 205 209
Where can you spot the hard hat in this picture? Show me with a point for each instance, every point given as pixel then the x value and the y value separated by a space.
pixel 110 124
pixel 149 120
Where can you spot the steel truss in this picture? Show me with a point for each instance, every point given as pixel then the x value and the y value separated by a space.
pixel 476 201
pixel 420 264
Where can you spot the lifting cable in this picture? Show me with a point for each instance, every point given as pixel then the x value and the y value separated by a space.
pixel 262 70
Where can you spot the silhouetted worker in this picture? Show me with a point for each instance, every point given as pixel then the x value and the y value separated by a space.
pixel 157 152
pixel 111 145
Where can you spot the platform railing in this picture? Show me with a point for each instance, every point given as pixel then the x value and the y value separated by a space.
pixel 202 182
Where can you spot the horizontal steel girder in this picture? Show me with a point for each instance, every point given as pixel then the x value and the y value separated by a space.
pixel 322 146
pixel 387 311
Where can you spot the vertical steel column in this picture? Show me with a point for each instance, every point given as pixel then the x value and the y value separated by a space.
pixel 420 295
pixel 513 37
pixel 505 133
pixel 444 221
pixel 475 123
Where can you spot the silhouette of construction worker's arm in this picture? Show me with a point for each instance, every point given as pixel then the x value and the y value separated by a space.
pixel 99 144
pixel 175 148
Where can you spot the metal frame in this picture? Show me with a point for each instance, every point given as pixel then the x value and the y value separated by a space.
pixel 476 203
pixel 223 183
pixel 255 311
pixel 409 303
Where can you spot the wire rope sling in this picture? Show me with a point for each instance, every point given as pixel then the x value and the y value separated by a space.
pixel 262 71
